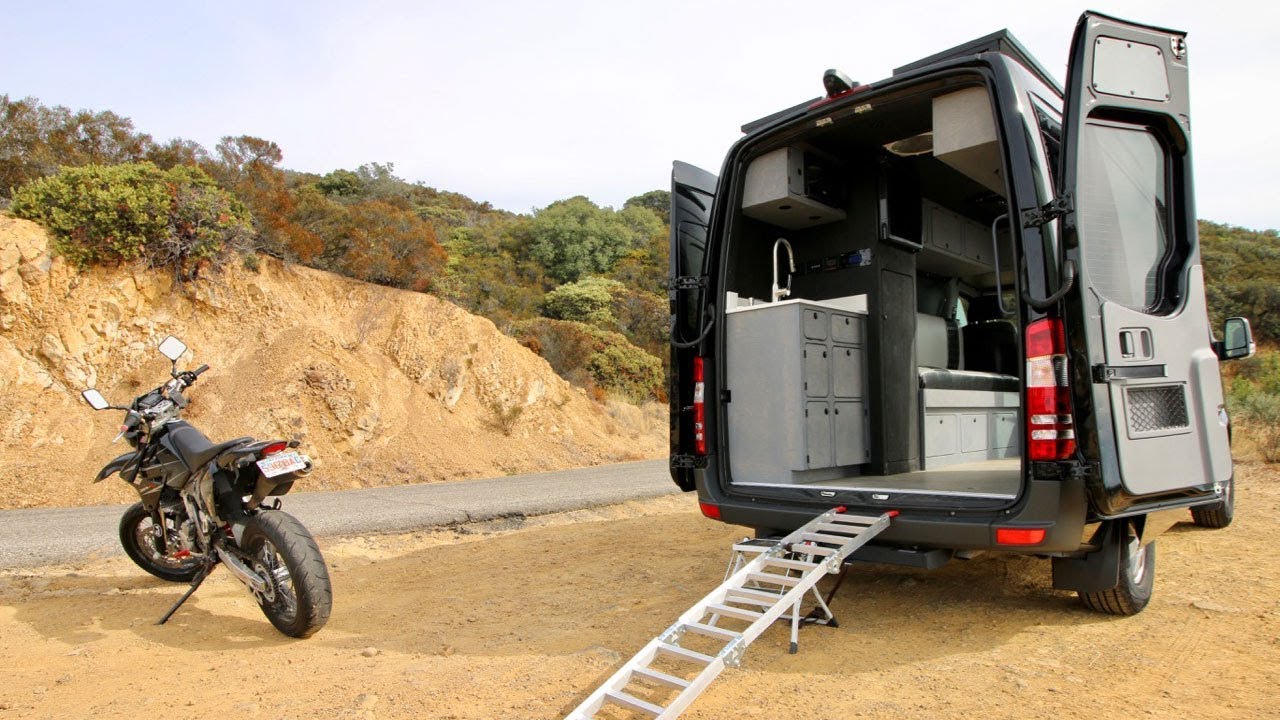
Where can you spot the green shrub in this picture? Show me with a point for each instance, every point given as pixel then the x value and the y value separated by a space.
pixel 589 300
pixel 107 214
pixel 594 359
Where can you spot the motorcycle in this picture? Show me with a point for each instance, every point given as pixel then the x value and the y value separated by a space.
pixel 203 504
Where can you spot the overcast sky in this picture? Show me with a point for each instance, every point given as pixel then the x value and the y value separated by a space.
pixel 521 104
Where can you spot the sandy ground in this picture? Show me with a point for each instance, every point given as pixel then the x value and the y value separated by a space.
pixel 523 618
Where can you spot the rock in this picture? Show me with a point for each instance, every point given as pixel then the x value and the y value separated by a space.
pixel 364 701
pixel 369 651
pixel 1212 606
pixel 51 348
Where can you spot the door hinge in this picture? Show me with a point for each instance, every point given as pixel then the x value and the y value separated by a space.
pixel 1084 470
pixel 726 396
pixel 689 282
pixel 1048 212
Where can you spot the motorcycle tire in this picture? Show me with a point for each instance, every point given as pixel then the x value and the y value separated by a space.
pixel 138 537
pixel 298 597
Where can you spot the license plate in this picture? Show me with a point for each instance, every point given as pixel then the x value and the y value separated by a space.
pixel 281 463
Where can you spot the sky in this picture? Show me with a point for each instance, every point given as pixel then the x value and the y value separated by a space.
pixel 524 103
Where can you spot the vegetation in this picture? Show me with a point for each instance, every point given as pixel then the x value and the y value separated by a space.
pixel 173 218
pixel 111 194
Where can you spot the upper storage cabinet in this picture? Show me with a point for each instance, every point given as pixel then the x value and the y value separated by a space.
pixel 794 187
pixel 964 136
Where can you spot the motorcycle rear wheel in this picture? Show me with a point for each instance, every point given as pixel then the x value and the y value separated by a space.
pixel 298 598
pixel 140 537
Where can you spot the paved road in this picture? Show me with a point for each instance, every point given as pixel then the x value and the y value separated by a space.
pixel 38 537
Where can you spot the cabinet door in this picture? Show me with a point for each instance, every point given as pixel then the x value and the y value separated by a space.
pixel 846 329
pixel 814 323
pixel 850 428
pixel 817 430
pixel 817 371
pixel 846 371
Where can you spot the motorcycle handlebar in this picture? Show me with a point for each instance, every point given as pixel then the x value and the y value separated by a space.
pixel 201 369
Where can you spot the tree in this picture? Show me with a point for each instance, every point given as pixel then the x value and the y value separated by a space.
pixel 572 238
pixel 657 201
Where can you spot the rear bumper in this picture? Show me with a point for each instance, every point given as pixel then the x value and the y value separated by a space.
pixel 1059 507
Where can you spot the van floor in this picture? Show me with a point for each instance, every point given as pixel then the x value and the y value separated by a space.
pixel 993 479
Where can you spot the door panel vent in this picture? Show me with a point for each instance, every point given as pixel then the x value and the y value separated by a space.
pixel 1156 408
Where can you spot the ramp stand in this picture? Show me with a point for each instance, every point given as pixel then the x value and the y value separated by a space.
pixel 758 592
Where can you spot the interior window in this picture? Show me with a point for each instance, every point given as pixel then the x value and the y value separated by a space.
pixel 1123 212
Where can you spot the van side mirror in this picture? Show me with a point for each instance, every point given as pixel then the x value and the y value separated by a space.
pixel 1237 339
pixel 95 399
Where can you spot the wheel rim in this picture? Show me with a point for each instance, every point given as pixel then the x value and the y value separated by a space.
pixel 279 593
pixel 147 535
pixel 1137 560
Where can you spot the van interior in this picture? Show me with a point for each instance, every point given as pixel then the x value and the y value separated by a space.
pixel 870 305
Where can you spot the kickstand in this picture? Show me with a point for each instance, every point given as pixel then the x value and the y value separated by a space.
pixel 195 585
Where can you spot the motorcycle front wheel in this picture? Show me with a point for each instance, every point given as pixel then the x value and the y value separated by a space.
pixel 142 542
pixel 298 597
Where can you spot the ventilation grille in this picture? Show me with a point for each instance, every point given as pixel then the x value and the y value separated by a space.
pixel 1157 408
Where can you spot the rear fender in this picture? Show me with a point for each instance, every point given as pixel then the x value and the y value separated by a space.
pixel 126 465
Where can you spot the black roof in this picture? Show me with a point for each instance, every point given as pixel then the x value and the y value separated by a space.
pixel 1001 41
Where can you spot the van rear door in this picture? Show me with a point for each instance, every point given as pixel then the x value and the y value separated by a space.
pixel 693 192
pixel 1129 224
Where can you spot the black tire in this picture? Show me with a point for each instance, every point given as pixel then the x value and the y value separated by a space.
pixel 1137 578
pixel 1219 514
pixel 138 535
pixel 298 598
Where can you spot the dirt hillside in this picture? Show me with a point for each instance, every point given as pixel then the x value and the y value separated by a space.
pixel 381 386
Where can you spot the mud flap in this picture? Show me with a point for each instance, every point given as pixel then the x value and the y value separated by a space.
pixel 1095 571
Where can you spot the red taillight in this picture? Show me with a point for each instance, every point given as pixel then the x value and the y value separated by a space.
pixel 1051 433
pixel 274 448
pixel 711 511
pixel 1019 536
pixel 699 410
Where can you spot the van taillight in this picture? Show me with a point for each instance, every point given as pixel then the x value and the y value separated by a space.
pixel 699 409
pixel 1051 434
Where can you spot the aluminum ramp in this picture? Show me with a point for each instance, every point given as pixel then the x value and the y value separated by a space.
pixel 758 593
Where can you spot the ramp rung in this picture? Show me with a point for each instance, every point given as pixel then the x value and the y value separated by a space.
pixel 760 600
pixel 690 655
pixel 746 595
pixel 819 537
pixel 648 673
pixel 774 579
pixel 852 530
pixel 753 547
pixel 800 565
pixel 712 631
pixel 733 612
pixel 633 702
pixel 863 520
pixel 803 549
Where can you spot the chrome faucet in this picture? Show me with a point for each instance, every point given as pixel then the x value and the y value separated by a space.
pixel 779 293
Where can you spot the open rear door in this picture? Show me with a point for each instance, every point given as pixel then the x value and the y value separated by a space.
pixel 1130 216
pixel 693 192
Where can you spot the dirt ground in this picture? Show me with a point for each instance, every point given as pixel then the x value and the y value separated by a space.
pixel 523 618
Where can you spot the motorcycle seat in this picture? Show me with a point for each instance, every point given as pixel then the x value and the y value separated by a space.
pixel 194 448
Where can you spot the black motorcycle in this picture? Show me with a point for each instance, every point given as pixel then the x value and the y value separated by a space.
pixel 202 504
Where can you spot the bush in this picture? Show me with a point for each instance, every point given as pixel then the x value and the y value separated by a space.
pixel 589 301
pixel 1253 399
pixel 594 359
pixel 108 214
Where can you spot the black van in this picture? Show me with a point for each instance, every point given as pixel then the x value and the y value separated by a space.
pixel 966 294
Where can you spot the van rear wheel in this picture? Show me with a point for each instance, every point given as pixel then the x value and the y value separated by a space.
pixel 1137 578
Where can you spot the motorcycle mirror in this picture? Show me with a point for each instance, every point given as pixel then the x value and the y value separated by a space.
pixel 95 399
pixel 172 348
